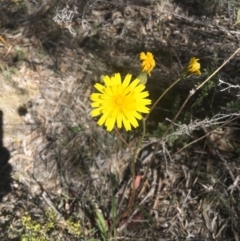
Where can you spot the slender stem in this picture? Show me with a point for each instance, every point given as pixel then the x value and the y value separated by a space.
pixel 133 172
pixel 208 133
pixel 134 158
pixel 203 83
pixel 180 110
pixel 192 92
pixel 122 139
pixel 160 97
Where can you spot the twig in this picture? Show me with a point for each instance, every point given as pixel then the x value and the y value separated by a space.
pixel 224 124
pixel 200 86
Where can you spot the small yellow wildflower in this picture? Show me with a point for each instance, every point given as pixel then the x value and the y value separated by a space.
pixel 194 66
pixel 148 62
pixel 119 102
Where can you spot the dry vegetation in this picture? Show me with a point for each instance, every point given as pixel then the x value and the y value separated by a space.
pixel 65 173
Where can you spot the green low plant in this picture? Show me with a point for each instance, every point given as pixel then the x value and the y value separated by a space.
pixel 40 230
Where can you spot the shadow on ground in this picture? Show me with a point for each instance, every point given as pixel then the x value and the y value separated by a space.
pixel 5 167
pixel 199 7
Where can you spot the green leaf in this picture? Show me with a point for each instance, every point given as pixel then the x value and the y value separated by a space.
pixel 114 208
pixel 143 77
pixel 238 17
pixel 102 225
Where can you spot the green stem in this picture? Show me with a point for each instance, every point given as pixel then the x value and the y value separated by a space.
pixel 160 97
pixel 133 164
pixel 200 86
pixel 176 116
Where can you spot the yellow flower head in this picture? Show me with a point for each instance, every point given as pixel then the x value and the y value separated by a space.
pixel 119 102
pixel 194 66
pixel 148 62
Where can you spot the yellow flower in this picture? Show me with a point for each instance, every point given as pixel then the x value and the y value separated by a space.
pixel 119 102
pixel 194 66
pixel 148 62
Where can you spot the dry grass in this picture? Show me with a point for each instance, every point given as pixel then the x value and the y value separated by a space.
pixel 63 161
